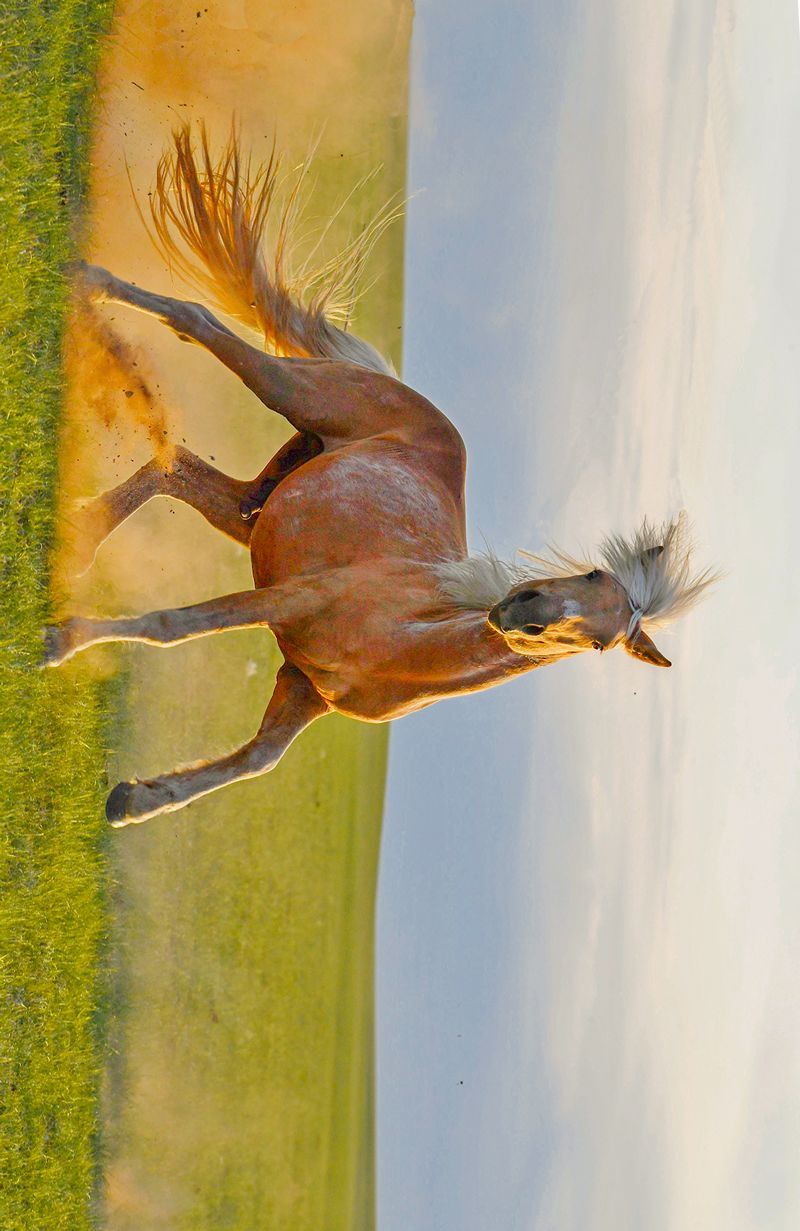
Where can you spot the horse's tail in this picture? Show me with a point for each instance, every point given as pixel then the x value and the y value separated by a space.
pixel 229 228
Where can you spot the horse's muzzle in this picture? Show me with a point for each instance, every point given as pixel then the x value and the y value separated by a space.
pixel 514 616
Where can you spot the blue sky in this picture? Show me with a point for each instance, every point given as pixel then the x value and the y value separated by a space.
pixel 588 893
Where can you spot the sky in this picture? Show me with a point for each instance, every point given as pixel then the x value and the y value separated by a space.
pixel 589 924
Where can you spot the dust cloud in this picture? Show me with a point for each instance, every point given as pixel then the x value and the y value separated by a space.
pixel 108 377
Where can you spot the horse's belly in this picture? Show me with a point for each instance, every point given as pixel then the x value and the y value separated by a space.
pixel 350 505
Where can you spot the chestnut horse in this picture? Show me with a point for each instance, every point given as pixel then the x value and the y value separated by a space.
pixel 356 529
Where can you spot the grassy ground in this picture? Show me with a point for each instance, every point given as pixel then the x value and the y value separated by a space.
pixel 242 1092
pixel 52 915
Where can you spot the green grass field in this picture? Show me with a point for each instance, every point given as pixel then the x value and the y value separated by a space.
pixel 241 1094
pixel 52 912
pixel 186 1007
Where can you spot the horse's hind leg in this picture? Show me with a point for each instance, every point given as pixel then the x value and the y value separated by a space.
pixel 337 401
pixel 294 704
pixel 190 321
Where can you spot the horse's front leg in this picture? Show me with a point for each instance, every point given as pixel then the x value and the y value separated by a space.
pixel 185 477
pixel 229 505
pixel 248 609
pixel 294 704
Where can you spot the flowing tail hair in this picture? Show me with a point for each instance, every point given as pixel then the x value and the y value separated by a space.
pixel 230 228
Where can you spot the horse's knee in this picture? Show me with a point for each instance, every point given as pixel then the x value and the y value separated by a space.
pixel 260 757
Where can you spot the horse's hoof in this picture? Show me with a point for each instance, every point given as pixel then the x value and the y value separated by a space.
pixel 95 282
pixel 117 804
pixel 130 803
pixel 49 645
pixel 55 641
pixel 61 641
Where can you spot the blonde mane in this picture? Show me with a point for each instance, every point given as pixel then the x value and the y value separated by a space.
pixel 653 565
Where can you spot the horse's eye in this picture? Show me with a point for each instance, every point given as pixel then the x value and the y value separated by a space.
pixel 597 645
pixel 595 573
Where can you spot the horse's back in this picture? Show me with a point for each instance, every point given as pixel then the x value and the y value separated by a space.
pixel 383 496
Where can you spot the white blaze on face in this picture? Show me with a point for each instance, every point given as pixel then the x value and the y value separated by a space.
pixel 571 609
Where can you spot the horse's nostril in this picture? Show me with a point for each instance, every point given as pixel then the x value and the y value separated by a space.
pixel 533 630
pixel 524 595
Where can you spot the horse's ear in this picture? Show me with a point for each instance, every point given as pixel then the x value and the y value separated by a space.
pixel 654 552
pixel 641 647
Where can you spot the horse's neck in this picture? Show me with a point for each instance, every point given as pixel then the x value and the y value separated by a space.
pixel 459 641
pixel 462 653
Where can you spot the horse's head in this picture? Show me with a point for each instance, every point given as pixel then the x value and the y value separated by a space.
pixel 563 615
pixel 561 605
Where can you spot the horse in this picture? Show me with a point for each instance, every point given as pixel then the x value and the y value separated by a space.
pixel 357 527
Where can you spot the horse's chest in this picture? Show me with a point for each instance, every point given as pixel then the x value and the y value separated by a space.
pixel 373 660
